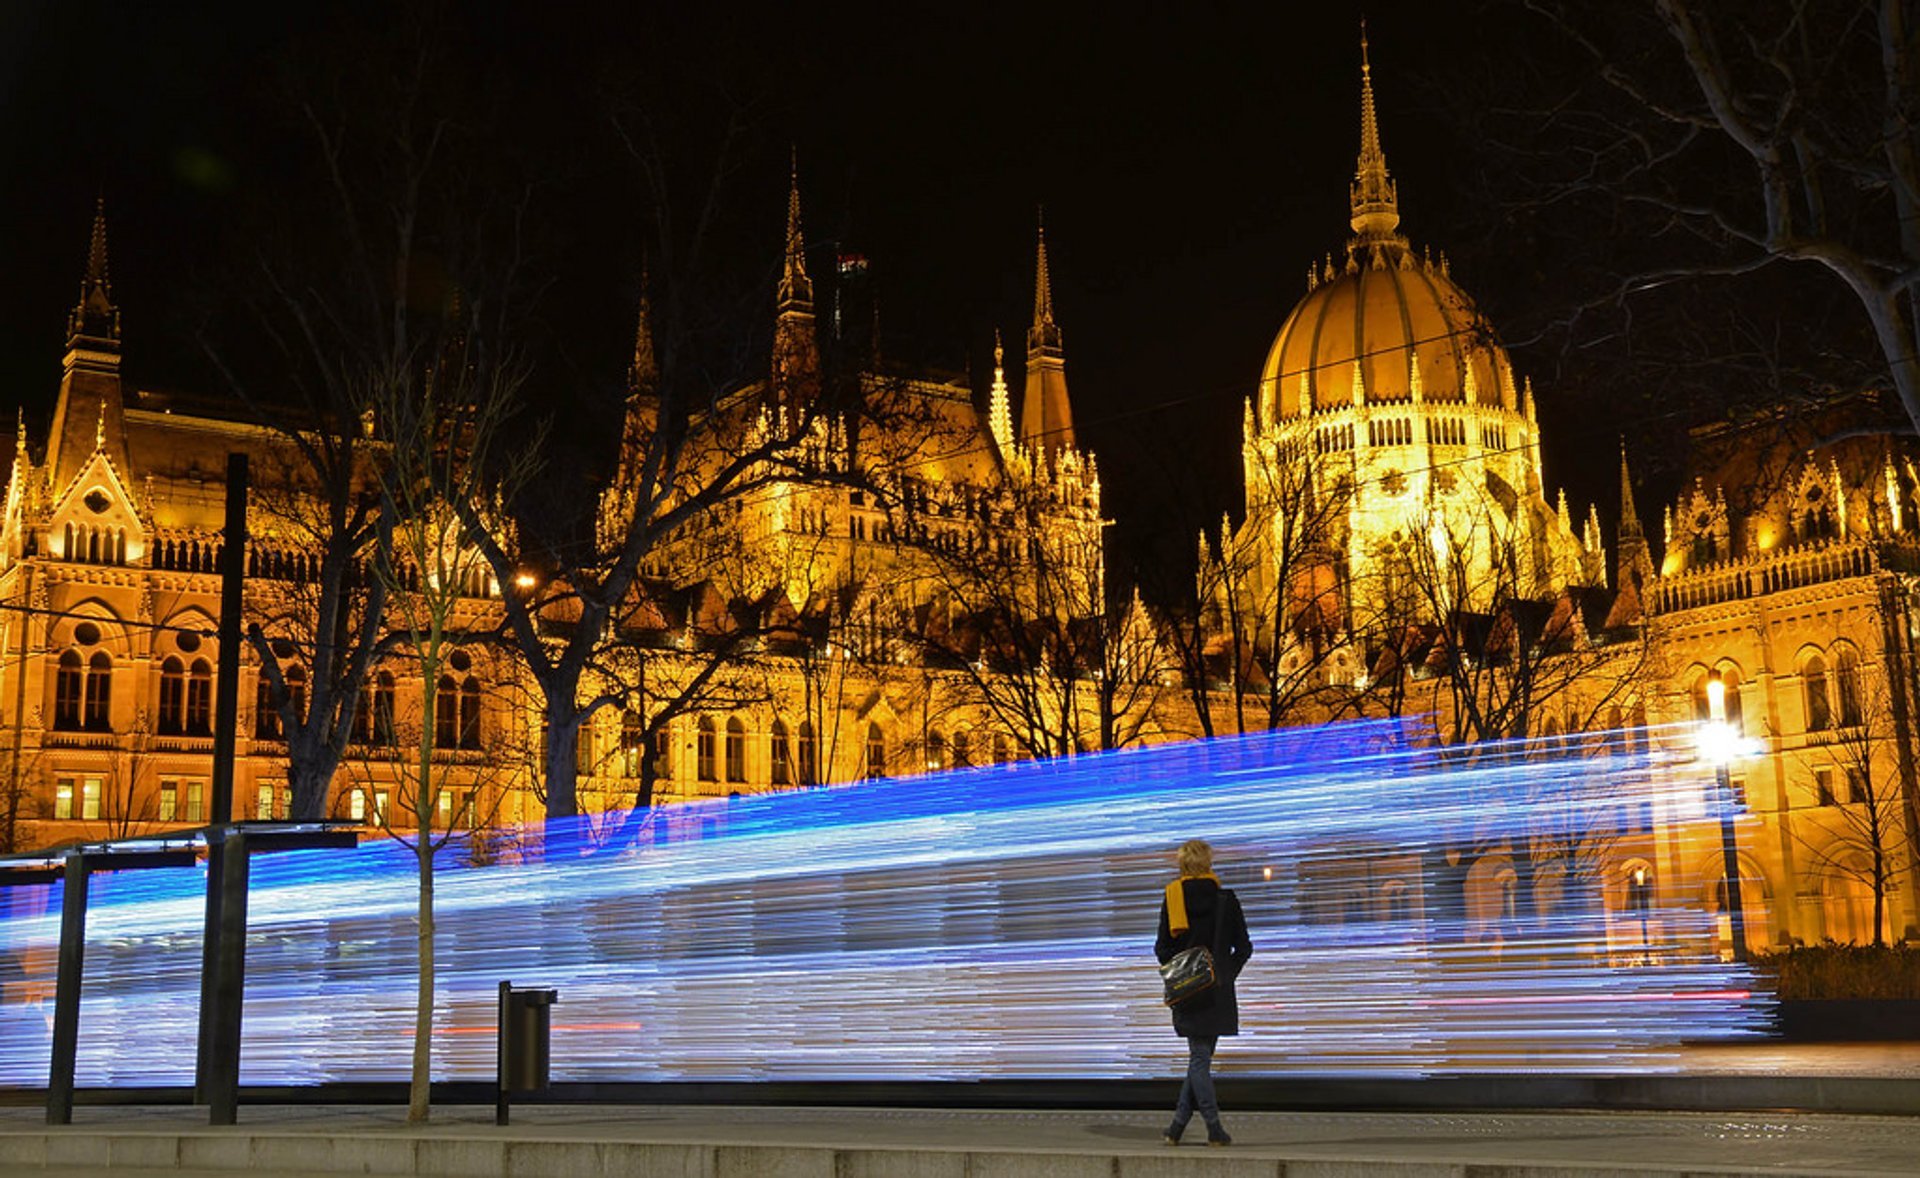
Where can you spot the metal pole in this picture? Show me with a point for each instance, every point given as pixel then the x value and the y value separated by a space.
pixel 66 991
pixel 500 1058
pixel 223 1066
pixel 1730 853
pixel 226 713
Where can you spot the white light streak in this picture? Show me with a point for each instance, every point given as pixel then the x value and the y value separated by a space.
pixel 981 923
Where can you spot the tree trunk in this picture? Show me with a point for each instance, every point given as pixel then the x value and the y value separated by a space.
pixel 563 740
pixel 420 1090
pixel 310 767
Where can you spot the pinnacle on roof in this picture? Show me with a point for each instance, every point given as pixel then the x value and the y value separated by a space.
pixel 643 375
pixel 1375 201
pixel 1629 515
pixel 1045 333
pixel 95 316
pixel 796 289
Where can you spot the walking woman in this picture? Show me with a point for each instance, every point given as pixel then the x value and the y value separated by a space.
pixel 1198 911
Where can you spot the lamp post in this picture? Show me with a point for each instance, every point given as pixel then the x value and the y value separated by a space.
pixel 1718 743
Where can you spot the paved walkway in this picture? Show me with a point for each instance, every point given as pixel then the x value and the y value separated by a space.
pixel 598 1141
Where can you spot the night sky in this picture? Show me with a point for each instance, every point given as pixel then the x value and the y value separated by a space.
pixel 1190 167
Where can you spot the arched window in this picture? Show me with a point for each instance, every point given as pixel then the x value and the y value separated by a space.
pixel 876 752
pixel 1846 687
pixel 68 689
pixel 446 714
pixel 809 768
pixel 1813 683
pixel 936 751
pixel 633 731
pixel 962 749
pixel 99 701
pixel 266 709
pixel 470 713
pixel 1702 709
pixel 780 754
pixel 297 692
pixel 703 751
pixel 736 749
pixel 1736 714
pixel 383 708
pixel 172 717
pixel 200 698
pixel 663 751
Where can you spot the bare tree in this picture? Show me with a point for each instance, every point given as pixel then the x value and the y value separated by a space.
pixel 453 456
pixel 1719 141
pixel 1859 833
pixel 403 200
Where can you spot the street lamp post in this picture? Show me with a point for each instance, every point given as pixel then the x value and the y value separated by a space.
pixel 1721 750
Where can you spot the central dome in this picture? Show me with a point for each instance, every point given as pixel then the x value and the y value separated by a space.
pixel 1391 329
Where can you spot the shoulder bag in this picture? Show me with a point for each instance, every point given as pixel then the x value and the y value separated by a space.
pixel 1192 972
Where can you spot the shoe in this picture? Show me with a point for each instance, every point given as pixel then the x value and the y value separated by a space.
pixel 1217 1135
pixel 1172 1135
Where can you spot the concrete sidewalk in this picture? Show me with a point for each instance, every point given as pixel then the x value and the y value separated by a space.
pixel 598 1141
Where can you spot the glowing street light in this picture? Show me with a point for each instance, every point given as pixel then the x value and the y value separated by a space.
pixel 1719 743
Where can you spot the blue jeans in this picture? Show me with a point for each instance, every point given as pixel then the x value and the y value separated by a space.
pixel 1198 1088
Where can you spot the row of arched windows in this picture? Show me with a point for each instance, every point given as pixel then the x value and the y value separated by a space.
pixel 961 752
pixel 91 545
pixel 792 753
pixel 1829 689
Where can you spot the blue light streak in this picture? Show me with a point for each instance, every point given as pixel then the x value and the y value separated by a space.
pixel 984 923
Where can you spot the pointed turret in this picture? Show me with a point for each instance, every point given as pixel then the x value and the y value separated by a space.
pixel 1636 559
pixel 796 345
pixel 95 319
pixel 643 374
pixel 999 403
pixel 1375 200
pixel 88 414
pixel 1046 416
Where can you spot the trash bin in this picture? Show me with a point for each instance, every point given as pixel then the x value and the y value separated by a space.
pixel 528 1029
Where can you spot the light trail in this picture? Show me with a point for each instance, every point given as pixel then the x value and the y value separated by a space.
pixel 983 923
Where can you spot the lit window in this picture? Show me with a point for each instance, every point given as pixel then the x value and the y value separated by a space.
pixel 63 798
pixel 169 800
pixel 90 798
pixel 736 750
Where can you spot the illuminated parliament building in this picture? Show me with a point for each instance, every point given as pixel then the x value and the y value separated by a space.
pixel 1399 551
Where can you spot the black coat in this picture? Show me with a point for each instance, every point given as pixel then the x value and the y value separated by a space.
pixel 1209 908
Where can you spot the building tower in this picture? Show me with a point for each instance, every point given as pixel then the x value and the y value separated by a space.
pixel 1046 416
pixel 796 341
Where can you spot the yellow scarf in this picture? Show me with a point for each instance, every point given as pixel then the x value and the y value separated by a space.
pixel 1177 901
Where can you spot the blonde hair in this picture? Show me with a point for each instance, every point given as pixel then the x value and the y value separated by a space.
pixel 1196 857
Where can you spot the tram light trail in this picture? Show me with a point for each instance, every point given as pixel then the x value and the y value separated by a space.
pixel 984 923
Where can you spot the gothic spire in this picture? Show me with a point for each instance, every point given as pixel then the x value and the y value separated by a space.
pixel 796 289
pixel 95 316
pixel 1629 516
pixel 1633 555
pixel 796 347
pixel 1044 333
pixel 643 375
pixel 1046 416
pixel 1375 200
pixel 999 405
